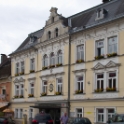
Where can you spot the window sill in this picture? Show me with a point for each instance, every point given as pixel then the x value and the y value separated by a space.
pixel 52 68
pixel 31 97
pixel 106 92
pixel 51 95
pixel 80 94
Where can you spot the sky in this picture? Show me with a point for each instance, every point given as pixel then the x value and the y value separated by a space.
pixel 18 18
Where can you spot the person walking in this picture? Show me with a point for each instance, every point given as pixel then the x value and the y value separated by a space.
pixel 64 119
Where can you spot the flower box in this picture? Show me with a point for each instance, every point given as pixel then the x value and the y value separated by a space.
pixel 98 90
pixel 43 68
pixel 51 66
pixel 58 93
pixel 78 91
pixel 111 54
pixel 16 96
pixel 110 89
pixel 43 94
pixel 17 74
pixel 58 65
pixel 30 95
pixel 21 73
pixel 99 57
pixel 32 71
pixel 21 96
pixel 79 61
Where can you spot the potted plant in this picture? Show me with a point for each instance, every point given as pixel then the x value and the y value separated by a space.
pixel 21 73
pixel 58 93
pixel 99 57
pixel 43 94
pixel 31 71
pixel 16 96
pixel 98 90
pixel 51 66
pixel 21 96
pixel 30 95
pixel 78 91
pixel 80 61
pixel 16 74
pixel 59 65
pixel 111 54
pixel 43 68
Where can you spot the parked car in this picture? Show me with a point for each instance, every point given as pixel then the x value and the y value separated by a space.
pixel 42 118
pixel 116 119
pixel 3 120
pixel 82 120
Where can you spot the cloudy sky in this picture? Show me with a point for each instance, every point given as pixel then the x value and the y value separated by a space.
pixel 18 18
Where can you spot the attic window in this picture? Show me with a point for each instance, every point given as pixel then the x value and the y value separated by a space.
pixel 49 35
pixel 52 19
pixel 56 32
pixel 100 14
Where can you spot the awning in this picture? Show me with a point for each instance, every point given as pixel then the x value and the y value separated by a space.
pixel 8 111
pixel 4 107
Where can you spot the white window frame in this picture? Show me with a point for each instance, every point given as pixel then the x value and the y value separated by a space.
pixel 31 112
pixel 99 80
pixel 45 60
pixel 52 59
pixel 79 52
pixel 80 113
pixel 111 78
pixel 2 91
pixel 59 85
pixel 102 46
pixel 22 66
pixel 44 87
pixel 21 113
pixel 21 89
pixel 16 113
pixel 59 57
pixel 100 114
pixel 112 44
pixel 31 87
pixel 17 68
pixel 105 113
pixel 79 82
pixel 32 64
pixel 17 91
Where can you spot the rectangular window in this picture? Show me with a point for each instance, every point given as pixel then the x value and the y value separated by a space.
pixel 32 88
pixel 59 85
pixel 79 112
pixel 30 113
pixel 22 67
pixel 22 89
pixel 21 113
pixel 32 64
pixel 80 83
pixel 112 80
pixel 17 90
pixel 110 113
pixel 99 48
pixel 100 115
pixel 112 45
pixel 80 52
pixel 44 86
pixel 3 91
pixel 16 113
pixel 17 68
pixel 100 81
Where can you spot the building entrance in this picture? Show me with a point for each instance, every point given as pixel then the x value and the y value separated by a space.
pixel 54 112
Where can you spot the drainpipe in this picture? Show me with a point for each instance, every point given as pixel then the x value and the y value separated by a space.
pixel 69 63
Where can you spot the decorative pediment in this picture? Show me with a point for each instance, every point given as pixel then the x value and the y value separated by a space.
pixel 19 80
pixel 111 64
pixel 98 66
pixel 16 80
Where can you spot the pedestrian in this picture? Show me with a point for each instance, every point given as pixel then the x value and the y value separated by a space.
pixel 64 119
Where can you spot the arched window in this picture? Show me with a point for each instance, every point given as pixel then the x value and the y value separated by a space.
pixel 49 34
pixel 59 57
pixel 45 61
pixel 56 32
pixel 52 59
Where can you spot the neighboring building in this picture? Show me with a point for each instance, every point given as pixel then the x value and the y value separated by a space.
pixel 73 64
pixel 5 82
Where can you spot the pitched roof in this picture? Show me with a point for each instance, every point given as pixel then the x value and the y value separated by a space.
pixel 114 8
pixel 5 69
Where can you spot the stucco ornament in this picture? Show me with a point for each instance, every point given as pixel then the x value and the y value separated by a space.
pixel 51 87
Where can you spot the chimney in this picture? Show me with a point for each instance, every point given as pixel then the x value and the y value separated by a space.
pixel 105 1
pixel 3 58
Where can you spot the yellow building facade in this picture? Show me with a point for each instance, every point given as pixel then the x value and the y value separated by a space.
pixel 72 65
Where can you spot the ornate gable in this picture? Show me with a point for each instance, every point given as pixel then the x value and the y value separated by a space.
pixel 98 66
pixel 111 64
pixel 16 80
pixel 19 80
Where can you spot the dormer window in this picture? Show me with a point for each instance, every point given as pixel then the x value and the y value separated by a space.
pixel 52 19
pixel 56 32
pixel 100 14
pixel 49 34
